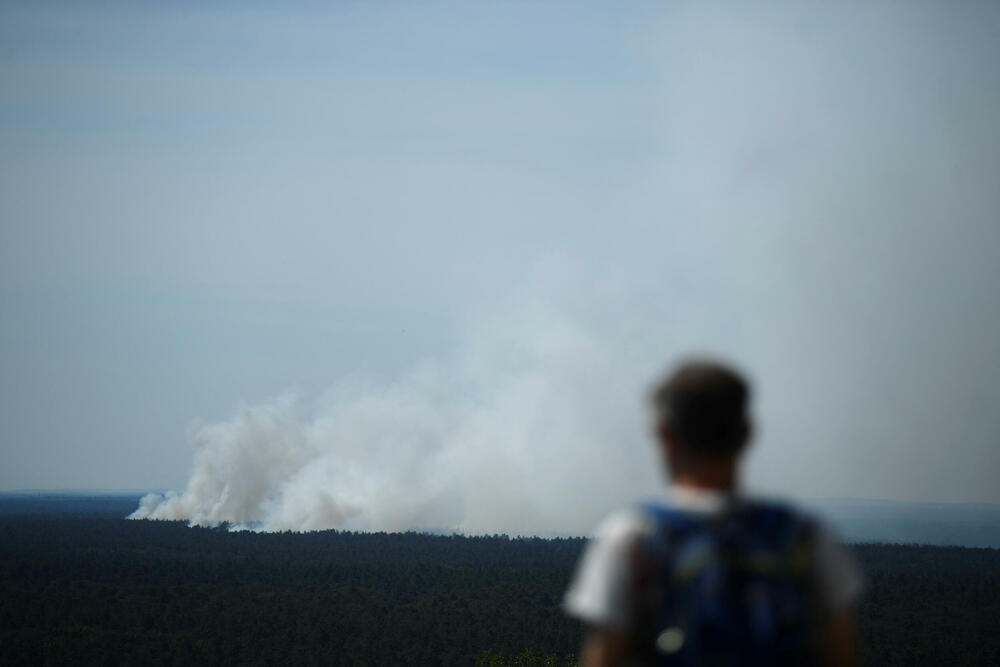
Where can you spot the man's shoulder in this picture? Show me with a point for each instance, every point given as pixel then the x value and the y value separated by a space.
pixel 600 590
pixel 693 502
pixel 681 506
pixel 623 528
pixel 760 523
pixel 780 524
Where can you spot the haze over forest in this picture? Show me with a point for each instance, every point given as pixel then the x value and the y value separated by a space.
pixel 401 266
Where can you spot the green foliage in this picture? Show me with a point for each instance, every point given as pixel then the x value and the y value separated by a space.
pixel 108 591
pixel 529 658
pixel 101 590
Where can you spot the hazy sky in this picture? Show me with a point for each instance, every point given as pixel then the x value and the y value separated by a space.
pixel 498 221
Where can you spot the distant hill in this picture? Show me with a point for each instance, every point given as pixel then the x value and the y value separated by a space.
pixel 72 503
pixel 959 524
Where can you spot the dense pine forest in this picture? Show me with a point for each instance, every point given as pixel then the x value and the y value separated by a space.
pixel 89 587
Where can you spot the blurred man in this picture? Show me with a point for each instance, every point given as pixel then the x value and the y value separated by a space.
pixel 705 575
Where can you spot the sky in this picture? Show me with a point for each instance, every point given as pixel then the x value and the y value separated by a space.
pixel 416 265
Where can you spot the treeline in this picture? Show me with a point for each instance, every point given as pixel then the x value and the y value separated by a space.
pixel 102 590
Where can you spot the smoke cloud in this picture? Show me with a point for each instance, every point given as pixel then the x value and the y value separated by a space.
pixel 507 435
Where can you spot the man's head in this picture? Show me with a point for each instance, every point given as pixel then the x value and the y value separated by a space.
pixel 701 410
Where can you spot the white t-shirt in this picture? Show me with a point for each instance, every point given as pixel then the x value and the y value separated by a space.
pixel 599 591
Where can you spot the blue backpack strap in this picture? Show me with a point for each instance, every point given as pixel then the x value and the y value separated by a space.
pixel 675 529
pixel 672 551
pixel 668 518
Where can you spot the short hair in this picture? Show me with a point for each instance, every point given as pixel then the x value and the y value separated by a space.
pixel 704 404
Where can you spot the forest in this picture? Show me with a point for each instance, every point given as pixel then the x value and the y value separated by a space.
pixel 89 587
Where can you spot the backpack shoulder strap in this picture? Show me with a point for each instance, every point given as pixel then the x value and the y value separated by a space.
pixel 670 526
pixel 666 517
pixel 678 541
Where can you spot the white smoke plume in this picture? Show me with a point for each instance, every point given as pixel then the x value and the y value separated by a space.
pixel 529 429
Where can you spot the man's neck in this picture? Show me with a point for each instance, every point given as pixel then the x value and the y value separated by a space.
pixel 707 476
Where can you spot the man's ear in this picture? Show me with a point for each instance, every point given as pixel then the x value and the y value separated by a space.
pixel 667 440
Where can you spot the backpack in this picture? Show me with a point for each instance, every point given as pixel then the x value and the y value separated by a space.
pixel 734 589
